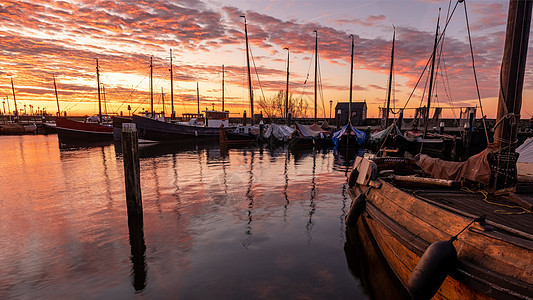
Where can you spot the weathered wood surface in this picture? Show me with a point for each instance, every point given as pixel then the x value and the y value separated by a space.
pixel 132 170
pixel 495 250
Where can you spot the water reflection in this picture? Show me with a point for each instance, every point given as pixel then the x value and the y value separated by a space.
pixel 249 195
pixel 215 225
pixel 138 249
pixel 367 264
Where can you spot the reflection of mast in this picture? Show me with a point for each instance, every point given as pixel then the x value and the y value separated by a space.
pixel 312 204
pixel 250 197
pixel 177 192
pixel 286 186
pixel 106 179
pixel 157 185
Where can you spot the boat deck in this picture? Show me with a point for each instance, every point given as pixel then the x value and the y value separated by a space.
pixel 497 209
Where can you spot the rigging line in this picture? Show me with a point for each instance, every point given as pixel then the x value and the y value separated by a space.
pixel 431 56
pixel 475 75
pixel 321 88
pixel 256 74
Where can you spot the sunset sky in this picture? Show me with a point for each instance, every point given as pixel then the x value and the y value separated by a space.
pixel 41 39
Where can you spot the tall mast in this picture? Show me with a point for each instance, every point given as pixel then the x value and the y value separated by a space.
pixel 198 96
pixel 431 77
pixel 249 75
pixel 512 74
pixel 15 100
pixel 99 96
pixel 163 100
pixel 57 98
pixel 222 87
pixel 151 88
pixel 172 113
pixel 351 85
pixel 287 89
pixel 390 80
pixel 316 67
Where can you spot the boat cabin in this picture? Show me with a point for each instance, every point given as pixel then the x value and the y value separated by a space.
pixel 216 118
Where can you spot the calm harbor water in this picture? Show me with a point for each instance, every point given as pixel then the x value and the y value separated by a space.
pixel 247 224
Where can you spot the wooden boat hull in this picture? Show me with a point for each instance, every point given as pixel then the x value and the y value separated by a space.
pixel 492 262
pixel 154 130
pixel 73 132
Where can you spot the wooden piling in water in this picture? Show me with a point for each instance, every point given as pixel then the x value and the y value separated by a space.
pixel 132 172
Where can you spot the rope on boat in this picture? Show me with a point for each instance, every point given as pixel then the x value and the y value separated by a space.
pixel 478 219
pixel 499 211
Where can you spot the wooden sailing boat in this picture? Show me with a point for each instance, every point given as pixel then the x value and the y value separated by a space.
pixel 71 132
pixel 310 135
pixel 348 135
pixel 447 242
pixel 156 129
pixel 241 134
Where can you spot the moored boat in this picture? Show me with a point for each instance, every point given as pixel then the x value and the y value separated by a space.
pixel 93 130
pixel 453 230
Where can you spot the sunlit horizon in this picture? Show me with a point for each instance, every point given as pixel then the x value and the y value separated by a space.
pixel 62 39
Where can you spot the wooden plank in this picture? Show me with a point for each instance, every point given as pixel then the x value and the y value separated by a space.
pixel 433 224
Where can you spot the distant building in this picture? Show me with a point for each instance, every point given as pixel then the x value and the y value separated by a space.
pixel 358 113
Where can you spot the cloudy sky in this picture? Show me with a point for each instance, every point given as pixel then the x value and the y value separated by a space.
pixel 42 39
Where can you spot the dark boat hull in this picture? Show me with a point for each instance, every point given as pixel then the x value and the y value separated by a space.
pixel 158 131
pixel 117 126
pixel 72 132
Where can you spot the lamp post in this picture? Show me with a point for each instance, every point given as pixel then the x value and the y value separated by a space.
pixel 330 105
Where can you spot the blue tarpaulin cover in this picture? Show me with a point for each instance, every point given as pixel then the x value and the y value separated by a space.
pixel 360 135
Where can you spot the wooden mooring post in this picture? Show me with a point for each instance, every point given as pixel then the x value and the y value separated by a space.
pixel 132 172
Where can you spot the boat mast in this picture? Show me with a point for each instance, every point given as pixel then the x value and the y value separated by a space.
pixel 15 100
pixel 351 85
pixel 151 88
pixel 249 75
pixel 431 77
pixel 99 96
pixel 511 85
pixel 57 98
pixel 316 68
pixel 222 87
pixel 198 96
pixel 287 89
pixel 172 114
pixel 390 80
pixel 163 101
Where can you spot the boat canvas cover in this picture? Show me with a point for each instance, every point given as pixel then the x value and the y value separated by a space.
pixel 311 131
pixel 379 136
pixel 476 168
pixel 360 135
pixel 526 151
pixel 280 132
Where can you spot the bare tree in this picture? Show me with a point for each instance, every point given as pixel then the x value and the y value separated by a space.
pixel 275 106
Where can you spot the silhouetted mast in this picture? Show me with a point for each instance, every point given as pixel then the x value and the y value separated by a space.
pixel 316 68
pixel 431 77
pixel 351 85
pixel 249 75
pixel 99 96
pixel 57 98
pixel 390 80
pixel 151 89
pixel 222 87
pixel 287 90
pixel 15 100
pixel 172 113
